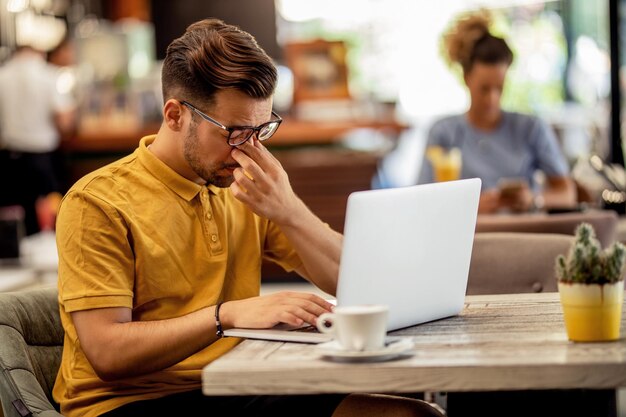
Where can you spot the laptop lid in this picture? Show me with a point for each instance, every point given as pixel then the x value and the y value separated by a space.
pixel 408 248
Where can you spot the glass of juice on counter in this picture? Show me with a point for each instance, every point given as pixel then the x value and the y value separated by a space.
pixel 446 163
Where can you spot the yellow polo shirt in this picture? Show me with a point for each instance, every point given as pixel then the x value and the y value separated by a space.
pixel 136 234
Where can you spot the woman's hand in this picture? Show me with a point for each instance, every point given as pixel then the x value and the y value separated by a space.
pixel 489 201
pixel 517 198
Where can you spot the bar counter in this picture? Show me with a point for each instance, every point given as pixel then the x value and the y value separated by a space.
pixel 292 132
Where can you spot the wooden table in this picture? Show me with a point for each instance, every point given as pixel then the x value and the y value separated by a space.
pixel 498 342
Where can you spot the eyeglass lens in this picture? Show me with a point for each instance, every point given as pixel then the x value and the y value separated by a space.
pixel 239 136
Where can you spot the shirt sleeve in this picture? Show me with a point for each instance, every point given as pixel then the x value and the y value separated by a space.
pixel 547 152
pixel 96 262
pixel 279 250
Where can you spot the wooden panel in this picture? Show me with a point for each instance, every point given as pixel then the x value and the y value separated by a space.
pixel 123 9
pixel 292 132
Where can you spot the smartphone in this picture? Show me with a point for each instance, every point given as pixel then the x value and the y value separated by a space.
pixel 510 187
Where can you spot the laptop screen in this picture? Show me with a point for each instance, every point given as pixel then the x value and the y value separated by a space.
pixel 409 248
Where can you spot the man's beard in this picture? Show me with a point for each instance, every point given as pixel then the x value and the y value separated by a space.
pixel 208 173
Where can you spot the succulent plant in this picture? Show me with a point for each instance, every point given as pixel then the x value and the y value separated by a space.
pixel 587 263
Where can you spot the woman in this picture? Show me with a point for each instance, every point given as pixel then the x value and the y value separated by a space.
pixel 502 148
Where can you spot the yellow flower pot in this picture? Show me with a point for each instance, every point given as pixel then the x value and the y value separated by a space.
pixel 592 312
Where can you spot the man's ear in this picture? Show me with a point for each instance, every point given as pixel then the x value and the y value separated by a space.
pixel 173 114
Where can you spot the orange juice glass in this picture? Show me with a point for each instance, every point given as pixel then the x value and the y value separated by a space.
pixel 446 163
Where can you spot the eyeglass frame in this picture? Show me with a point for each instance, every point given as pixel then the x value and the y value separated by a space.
pixel 230 130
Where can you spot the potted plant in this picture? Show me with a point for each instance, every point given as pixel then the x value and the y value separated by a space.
pixel 591 287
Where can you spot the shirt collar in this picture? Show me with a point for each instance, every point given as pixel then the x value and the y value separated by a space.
pixel 180 185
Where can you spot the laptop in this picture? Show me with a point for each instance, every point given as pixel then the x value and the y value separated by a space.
pixel 408 248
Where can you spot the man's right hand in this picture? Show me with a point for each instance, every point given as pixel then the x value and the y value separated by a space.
pixel 294 308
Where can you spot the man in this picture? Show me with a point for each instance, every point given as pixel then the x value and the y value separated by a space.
pixel 33 117
pixel 161 251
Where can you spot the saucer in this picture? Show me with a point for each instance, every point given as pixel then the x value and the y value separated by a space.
pixel 394 348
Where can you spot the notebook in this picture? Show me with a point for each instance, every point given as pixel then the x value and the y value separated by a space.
pixel 408 248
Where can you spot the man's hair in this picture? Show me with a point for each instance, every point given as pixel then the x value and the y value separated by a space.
pixel 212 56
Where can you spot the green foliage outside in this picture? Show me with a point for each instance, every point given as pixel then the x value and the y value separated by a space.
pixel 522 92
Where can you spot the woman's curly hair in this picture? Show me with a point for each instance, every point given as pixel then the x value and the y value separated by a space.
pixel 469 41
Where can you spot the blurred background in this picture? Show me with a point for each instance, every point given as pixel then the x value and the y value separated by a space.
pixel 360 81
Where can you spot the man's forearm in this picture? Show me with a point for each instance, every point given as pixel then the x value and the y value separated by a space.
pixel 120 348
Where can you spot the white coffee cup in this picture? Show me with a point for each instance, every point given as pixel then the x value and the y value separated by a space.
pixel 357 328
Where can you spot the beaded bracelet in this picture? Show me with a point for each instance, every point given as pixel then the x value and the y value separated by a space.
pixel 218 323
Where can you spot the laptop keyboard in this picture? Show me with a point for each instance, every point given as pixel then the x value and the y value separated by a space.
pixel 307 329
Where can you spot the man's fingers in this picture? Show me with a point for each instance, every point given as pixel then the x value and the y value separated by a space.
pixel 240 193
pixel 250 177
pixel 298 316
pixel 258 153
pixel 292 308
pixel 266 151
pixel 255 191
pixel 311 303
pixel 253 170
pixel 244 179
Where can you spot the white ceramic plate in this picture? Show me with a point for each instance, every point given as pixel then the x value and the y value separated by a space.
pixel 394 348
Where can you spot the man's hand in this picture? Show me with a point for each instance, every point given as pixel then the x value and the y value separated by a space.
pixel 294 308
pixel 262 183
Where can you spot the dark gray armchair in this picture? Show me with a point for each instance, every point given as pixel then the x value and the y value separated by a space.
pixel 603 221
pixel 31 343
pixel 505 263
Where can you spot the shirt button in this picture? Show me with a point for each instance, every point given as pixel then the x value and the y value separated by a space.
pixel 214 238
pixel 209 216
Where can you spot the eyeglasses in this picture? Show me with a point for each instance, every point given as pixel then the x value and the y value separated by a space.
pixel 240 134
